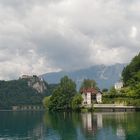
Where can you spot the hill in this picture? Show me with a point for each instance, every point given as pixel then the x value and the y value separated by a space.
pixel 105 76
pixel 131 78
pixel 129 94
pixel 131 73
pixel 24 91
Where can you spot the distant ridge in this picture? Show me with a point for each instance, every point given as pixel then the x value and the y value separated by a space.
pixel 105 76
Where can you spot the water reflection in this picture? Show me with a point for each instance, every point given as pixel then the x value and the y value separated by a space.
pixel 96 124
pixel 91 121
pixel 65 125
pixel 17 125
pixel 69 126
pixel 106 126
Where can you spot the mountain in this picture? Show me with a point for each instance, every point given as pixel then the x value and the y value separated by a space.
pixel 105 76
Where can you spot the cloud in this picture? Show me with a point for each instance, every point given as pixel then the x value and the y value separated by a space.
pixel 39 36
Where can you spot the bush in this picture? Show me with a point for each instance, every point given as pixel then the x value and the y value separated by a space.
pixel 77 102
pixel 121 100
pixel 46 102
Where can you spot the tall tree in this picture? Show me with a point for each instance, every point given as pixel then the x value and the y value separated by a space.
pixel 88 83
pixel 63 94
pixel 77 102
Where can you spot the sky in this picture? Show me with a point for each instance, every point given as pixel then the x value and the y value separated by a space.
pixel 40 36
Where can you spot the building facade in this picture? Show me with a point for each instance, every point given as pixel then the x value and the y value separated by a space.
pixel 91 95
pixel 118 85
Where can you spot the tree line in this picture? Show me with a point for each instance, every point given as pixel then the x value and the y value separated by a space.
pixel 65 96
pixel 130 93
pixel 17 92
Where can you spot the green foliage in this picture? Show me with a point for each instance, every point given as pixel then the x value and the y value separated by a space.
pixel 122 100
pixel 57 99
pixel 105 90
pixel 17 92
pixel 130 93
pixel 63 94
pixel 112 91
pixel 77 102
pixel 87 83
pixel 46 102
pixel 131 77
pixel 50 88
pixel 131 73
pixel 84 110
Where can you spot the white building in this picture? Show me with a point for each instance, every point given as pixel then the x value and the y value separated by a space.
pixel 91 95
pixel 118 85
pixel 25 77
pixel 99 97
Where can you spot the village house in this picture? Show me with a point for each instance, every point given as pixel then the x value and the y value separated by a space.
pixel 91 95
pixel 118 85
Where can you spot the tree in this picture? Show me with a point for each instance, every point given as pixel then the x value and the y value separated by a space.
pixel 105 90
pixel 56 100
pixel 63 94
pixel 129 73
pixel 16 93
pixel 46 102
pixel 131 77
pixel 68 90
pixel 112 91
pixel 88 83
pixel 77 101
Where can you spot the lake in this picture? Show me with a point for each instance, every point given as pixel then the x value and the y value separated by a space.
pixel 69 126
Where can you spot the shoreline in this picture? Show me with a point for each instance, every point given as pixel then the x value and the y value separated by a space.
pixel 10 110
pixel 89 108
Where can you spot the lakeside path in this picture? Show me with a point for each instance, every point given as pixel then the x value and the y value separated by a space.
pixel 115 107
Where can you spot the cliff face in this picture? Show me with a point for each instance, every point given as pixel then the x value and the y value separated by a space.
pixel 36 83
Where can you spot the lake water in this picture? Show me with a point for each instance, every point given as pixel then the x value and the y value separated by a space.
pixel 69 126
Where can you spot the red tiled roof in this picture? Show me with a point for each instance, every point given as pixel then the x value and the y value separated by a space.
pixel 91 90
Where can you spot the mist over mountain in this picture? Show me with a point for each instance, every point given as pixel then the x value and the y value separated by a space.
pixel 105 76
